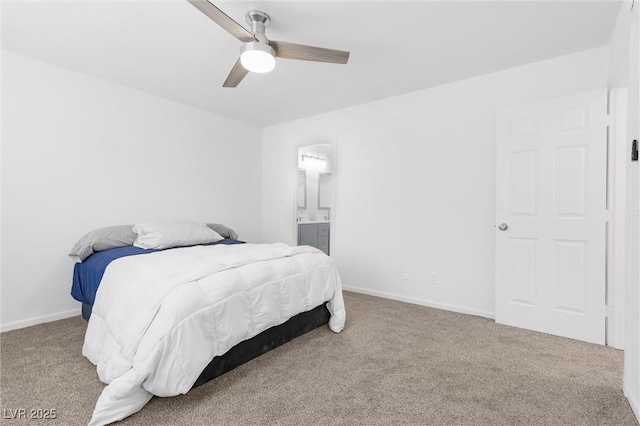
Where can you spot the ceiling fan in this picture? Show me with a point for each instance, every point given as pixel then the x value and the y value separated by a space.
pixel 258 53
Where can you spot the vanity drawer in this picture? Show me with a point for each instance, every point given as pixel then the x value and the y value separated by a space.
pixel 323 242
pixel 323 229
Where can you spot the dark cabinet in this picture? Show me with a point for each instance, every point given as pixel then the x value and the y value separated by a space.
pixel 314 235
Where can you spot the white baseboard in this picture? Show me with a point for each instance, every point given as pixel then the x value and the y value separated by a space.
pixel 40 320
pixel 423 302
pixel 634 401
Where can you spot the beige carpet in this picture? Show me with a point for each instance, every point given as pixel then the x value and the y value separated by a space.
pixel 394 363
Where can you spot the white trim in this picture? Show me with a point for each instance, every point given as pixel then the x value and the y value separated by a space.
pixel 616 226
pixel 40 320
pixel 422 302
pixel 633 401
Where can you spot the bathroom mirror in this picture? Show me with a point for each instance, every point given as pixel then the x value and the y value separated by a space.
pixel 315 195
pixel 325 192
pixel 302 190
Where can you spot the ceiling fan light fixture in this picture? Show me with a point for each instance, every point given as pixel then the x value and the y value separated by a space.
pixel 257 57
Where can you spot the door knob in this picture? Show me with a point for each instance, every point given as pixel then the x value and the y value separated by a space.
pixel 503 227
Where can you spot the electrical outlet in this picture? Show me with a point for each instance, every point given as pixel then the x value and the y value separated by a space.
pixel 405 275
pixel 434 278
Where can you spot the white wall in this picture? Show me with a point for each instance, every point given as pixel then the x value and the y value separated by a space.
pixel 416 181
pixel 632 291
pixel 618 73
pixel 624 71
pixel 618 80
pixel 80 153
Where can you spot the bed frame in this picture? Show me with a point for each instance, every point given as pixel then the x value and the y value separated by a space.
pixel 257 345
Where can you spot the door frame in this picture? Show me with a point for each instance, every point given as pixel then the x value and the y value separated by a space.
pixel 616 209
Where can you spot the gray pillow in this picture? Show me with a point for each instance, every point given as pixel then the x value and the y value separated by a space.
pixel 102 239
pixel 223 230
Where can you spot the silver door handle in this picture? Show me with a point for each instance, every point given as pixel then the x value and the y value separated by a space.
pixel 503 227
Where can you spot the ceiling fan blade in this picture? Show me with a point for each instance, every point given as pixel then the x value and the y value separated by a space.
pixel 236 75
pixel 222 19
pixel 308 53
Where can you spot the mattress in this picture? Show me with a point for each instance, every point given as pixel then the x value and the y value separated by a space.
pixel 88 274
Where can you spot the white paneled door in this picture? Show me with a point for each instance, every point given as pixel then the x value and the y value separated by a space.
pixel 550 216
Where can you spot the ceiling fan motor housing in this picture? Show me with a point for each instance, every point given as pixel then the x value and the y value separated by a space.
pixel 258 21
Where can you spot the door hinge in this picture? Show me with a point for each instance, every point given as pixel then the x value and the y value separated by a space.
pixel 609 120
pixel 608 311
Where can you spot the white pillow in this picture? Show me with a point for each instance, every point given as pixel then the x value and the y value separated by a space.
pixel 162 235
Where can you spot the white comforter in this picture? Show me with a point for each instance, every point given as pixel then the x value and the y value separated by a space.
pixel 160 318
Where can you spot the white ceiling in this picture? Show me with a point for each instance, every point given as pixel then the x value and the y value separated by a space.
pixel 170 49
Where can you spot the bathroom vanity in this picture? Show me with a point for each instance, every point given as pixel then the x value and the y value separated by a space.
pixel 315 234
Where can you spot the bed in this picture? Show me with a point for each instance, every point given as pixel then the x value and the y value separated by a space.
pixel 164 320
